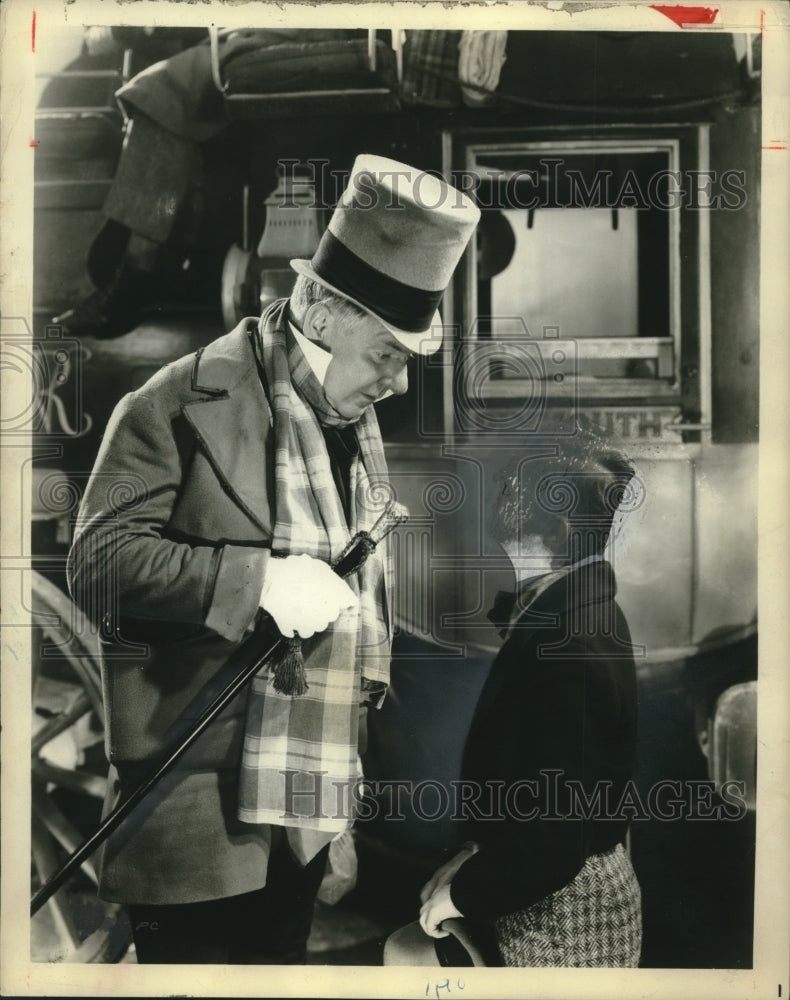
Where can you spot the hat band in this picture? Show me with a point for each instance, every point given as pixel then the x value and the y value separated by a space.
pixel 398 304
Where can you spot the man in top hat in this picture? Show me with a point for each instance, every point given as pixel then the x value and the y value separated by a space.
pixel 224 488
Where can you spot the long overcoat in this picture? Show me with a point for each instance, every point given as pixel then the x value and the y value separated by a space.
pixel 169 556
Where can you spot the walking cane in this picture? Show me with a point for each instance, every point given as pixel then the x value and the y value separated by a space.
pixel 251 656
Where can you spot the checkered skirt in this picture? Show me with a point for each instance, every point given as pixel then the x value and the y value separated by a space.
pixel 593 921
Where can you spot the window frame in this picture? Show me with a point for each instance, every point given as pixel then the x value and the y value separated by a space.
pixel 685 383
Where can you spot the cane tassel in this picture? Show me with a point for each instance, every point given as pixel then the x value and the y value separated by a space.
pixel 288 669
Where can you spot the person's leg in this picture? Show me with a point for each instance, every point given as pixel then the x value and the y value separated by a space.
pixel 273 924
pixel 269 926
pixel 151 180
pixel 148 192
pixel 187 933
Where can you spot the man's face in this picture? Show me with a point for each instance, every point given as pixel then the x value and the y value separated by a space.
pixel 367 362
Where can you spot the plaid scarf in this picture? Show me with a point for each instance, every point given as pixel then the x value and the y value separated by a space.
pixel 300 760
pixel 430 68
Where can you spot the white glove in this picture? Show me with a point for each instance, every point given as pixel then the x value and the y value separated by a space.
pixel 304 595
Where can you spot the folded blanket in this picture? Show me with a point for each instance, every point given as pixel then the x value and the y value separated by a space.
pixel 308 66
pixel 480 61
pixel 180 95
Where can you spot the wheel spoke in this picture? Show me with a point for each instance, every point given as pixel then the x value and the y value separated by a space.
pixel 67 778
pixel 71 633
pixel 60 723
pixel 62 829
pixel 72 651
pixel 76 781
pixel 45 864
pixel 93 948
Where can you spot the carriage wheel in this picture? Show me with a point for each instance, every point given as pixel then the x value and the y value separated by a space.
pixel 68 783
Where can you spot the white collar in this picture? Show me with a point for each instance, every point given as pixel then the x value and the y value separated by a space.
pixel 316 356
pixel 527 576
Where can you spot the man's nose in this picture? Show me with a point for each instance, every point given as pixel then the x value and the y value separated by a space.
pixel 399 382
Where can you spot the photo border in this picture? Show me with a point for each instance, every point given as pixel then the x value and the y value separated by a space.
pixel 21 20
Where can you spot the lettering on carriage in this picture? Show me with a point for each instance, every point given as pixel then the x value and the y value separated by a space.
pixel 639 423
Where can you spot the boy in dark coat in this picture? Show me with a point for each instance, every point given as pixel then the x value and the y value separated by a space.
pixel 552 743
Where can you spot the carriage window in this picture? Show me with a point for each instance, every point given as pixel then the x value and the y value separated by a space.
pixel 568 259
pixel 577 244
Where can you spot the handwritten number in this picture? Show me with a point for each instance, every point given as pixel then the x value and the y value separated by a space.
pixel 460 984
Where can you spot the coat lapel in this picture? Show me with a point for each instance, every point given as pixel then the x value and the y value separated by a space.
pixel 231 418
pixel 537 608
pixel 559 594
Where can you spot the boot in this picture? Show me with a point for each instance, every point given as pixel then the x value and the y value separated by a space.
pixel 122 266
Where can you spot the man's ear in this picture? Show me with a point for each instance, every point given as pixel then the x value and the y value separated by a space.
pixel 319 323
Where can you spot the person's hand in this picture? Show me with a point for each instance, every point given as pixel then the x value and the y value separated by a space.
pixel 436 909
pixel 304 595
pixel 444 875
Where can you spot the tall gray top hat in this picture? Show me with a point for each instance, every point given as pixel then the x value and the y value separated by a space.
pixel 392 245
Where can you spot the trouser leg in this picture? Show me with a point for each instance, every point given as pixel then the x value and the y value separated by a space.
pixel 146 200
pixel 185 933
pixel 269 926
pixel 273 925
pixel 150 187
pixel 152 179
